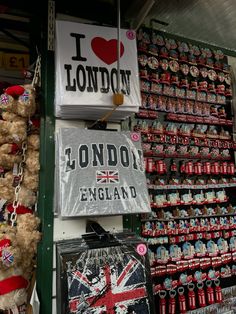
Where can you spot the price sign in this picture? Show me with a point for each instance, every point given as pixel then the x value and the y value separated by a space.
pixel 16 61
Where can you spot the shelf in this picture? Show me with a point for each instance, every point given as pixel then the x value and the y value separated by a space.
pixel 190 187
pixel 189 217
pixel 149 92
pixel 142 51
pixel 186 118
pixel 153 205
pixel 151 154
pixel 206 140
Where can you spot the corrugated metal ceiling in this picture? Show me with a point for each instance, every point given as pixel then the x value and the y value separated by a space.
pixel 209 21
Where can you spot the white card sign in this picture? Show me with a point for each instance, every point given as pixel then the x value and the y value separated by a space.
pixel 86 67
pixel 100 173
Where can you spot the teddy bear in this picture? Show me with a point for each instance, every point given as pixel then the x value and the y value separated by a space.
pixel 19 246
pixel 9 155
pixel 19 100
pixel 33 142
pixel 12 132
pixel 10 252
pixel 28 237
pixel 13 283
pixel 26 105
pixel 30 180
pixel 12 117
pixel 26 196
pixel 14 287
pixel 32 161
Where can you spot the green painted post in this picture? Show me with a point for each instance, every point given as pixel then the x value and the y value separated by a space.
pixel 46 187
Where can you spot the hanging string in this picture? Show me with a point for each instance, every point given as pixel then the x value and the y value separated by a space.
pixel 37 73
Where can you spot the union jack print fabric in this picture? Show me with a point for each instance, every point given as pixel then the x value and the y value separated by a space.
pixel 107 176
pixel 114 285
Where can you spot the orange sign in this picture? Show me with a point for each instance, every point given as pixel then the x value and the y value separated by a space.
pixel 16 61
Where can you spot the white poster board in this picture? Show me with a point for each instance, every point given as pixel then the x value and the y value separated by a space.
pixel 86 70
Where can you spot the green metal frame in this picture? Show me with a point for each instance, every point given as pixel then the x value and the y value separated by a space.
pixel 46 187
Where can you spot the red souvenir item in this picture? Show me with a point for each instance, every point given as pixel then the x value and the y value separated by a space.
pixel 173 167
pixel 162 304
pixel 198 168
pixel 165 78
pixel 202 86
pixel 215 167
pixel 218 291
pixel 220 89
pixel 189 167
pixel 150 165
pixel 191 296
pixel 210 292
pixel 201 294
pixel 172 302
pixel 182 301
pixel 224 168
pixel 160 167
pixel 207 167
pixel 231 168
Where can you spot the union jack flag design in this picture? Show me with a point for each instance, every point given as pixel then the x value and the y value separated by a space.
pixel 4 99
pixel 110 289
pixel 107 176
pixel 7 257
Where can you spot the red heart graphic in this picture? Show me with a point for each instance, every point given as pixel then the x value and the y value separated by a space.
pixel 106 50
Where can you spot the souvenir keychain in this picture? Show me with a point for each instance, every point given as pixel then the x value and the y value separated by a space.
pixel 191 296
pixel 162 304
pixel 201 294
pixel 182 301
pixel 218 291
pixel 210 292
pixel 172 302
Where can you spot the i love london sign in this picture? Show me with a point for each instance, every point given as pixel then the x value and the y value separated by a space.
pixel 86 71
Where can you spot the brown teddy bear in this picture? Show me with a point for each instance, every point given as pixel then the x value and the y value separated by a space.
pixel 14 288
pixel 12 132
pixel 12 117
pixel 28 237
pixel 19 100
pixel 26 196
pixel 30 180
pixel 13 283
pixel 8 155
pixel 10 252
pixel 33 142
pixel 32 161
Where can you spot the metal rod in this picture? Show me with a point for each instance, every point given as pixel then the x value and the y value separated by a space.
pixel 118 46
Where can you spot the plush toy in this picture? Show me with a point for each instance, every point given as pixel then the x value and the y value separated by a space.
pixel 19 100
pixel 26 105
pixel 10 252
pixel 13 283
pixel 8 155
pixel 14 288
pixel 26 196
pixel 32 161
pixel 33 142
pixel 28 237
pixel 12 132
pixel 18 238
pixel 12 117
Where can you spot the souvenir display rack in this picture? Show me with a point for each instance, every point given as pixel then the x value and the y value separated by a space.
pixel 186 124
